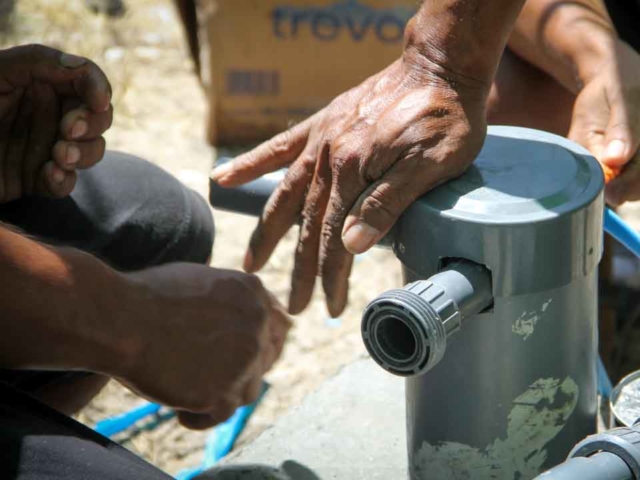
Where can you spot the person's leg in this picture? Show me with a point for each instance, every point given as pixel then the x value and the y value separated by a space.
pixel 126 211
pixel 131 214
pixel 39 443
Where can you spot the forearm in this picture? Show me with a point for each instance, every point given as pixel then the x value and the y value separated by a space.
pixel 461 40
pixel 59 308
pixel 568 40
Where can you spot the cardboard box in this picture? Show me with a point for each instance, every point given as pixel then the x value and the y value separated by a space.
pixel 266 64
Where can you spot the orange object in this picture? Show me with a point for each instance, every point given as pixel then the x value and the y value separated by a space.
pixel 610 172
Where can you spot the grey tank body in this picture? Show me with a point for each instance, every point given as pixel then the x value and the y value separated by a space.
pixel 516 389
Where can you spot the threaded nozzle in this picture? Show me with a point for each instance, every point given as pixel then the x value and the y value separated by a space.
pixel 406 330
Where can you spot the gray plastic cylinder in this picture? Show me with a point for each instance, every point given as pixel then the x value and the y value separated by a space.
pixel 516 390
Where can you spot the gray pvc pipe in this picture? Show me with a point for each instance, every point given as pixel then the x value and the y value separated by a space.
pixel 406 331
pixel 601 466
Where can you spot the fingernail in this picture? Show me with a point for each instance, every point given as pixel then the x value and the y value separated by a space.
pixel 79 129
pixel 360 237
pixel 247 263
pixel 57 176
pixel 71 61
pixel 615 150
pixel 221 171
pixel 73 156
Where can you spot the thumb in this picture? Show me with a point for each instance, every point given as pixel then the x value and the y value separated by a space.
pixel 622 136
pixel 380 205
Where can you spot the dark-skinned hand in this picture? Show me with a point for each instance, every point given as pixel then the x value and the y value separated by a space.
pixel 54 108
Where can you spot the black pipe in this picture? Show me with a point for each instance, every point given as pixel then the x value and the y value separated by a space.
pixel 248 199
pixel 601 466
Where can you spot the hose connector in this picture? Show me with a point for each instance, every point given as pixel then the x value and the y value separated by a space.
pixel 623 442
pixel 614 455
pixel 406 331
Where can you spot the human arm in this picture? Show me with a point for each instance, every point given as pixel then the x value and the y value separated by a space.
pixel 356 165
pixel 188 336
pixel 576 43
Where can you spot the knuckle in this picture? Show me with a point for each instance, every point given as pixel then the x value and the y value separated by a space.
pixel 311 217
pixel 332 247
pixel 285 189
pixel 380 204
pixel 200 403
pixel 307 162
pixel 59 150
pixel 253 311
pixel 332 230
pixel 282 144
pixel 245 284
pixel 253 284
pixel 343 151
pixel 225 409
pixel 248 161
pixel 251 351
pixel 36 51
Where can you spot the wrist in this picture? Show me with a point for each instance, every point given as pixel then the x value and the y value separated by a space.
pixel 597 49
pixel 583 40
pixel 123 313
pixel 60 308
pixel 102 329
pixel 458 42
pixel 430 60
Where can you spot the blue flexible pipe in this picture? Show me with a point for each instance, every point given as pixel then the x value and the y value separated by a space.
pixel 603 465
pixel 114 425
pixel 621 231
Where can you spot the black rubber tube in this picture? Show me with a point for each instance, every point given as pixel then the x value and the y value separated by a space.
pixel 248 199
pixel 601 466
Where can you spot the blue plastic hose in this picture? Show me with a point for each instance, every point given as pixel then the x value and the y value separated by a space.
pixel 630 238
pixel 621 231
pixel 114 425
pixel 223 437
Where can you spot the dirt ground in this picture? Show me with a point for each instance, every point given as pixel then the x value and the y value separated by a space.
pixel 159 115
